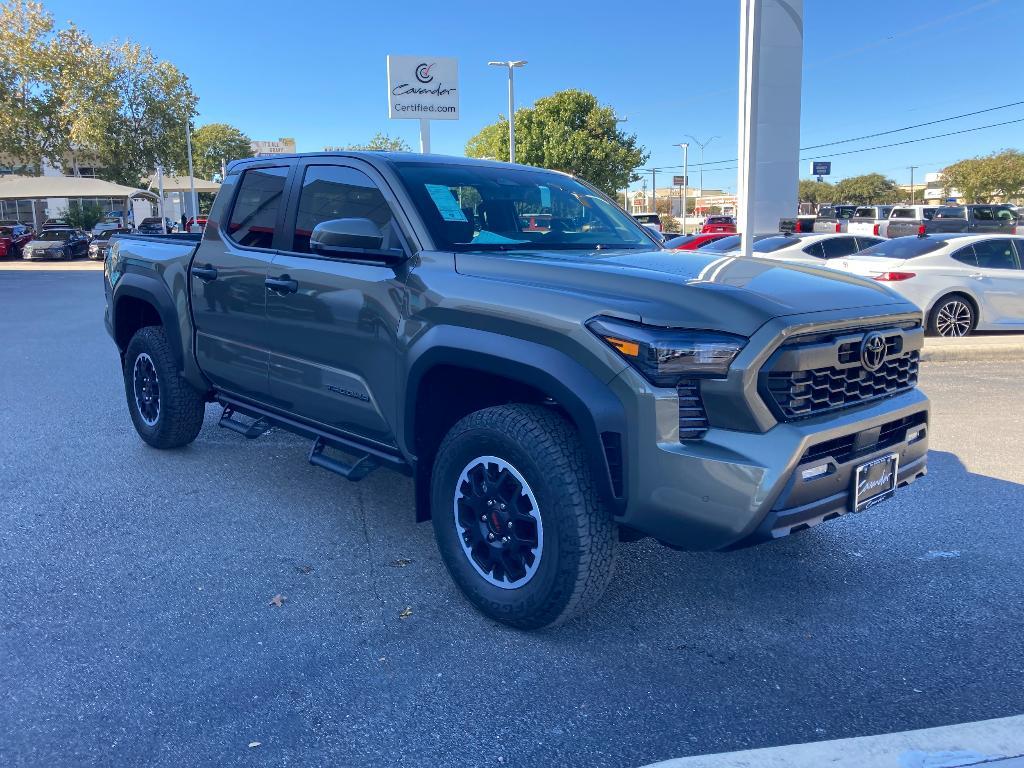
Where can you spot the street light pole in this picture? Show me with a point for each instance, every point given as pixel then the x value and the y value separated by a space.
pixel 510 65
pixel 686 178
pixel 912 169
pixel 701 144
pixel 625 192
pixel 191 176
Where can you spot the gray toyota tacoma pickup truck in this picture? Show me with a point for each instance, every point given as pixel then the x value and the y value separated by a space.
pixel 552 380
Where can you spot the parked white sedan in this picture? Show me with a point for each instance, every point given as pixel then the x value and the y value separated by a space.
pixel 962 282
pixel 812 248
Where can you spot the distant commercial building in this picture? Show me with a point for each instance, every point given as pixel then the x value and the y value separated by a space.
pixel 283 146
pixel 712 201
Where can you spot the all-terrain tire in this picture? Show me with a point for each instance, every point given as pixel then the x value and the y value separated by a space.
pixel 536 451
pixel 166 410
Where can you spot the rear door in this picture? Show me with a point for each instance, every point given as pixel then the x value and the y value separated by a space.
pixel 333 338
pixel 228 272
pixel 982 219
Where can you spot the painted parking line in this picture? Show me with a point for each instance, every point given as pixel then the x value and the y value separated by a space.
pixel 996 743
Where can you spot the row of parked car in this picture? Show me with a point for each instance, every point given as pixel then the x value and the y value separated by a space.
pixel 963 281
pixel 56 239
pixel 902 220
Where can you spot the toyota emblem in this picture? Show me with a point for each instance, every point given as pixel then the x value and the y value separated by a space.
pixel 872 351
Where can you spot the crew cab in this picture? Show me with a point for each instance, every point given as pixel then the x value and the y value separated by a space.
pixel 973 219
pixel 550 391
pixel 870 220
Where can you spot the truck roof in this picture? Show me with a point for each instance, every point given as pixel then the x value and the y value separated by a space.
pixel 375 157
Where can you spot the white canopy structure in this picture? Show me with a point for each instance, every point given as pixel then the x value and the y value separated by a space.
pixel 181 184
pixel 38 187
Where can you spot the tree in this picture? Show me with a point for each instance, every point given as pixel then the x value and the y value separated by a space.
pixel 984 179
pixel 382 142
pixel 215 143
pixel 567 131
pixel 869 188
pixel 83 216
pixel 816 192
pixel 63 98
pixel 669 222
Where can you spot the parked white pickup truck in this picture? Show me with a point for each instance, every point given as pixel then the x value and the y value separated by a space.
pixel 870 220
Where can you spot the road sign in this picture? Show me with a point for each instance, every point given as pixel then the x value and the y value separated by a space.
pixel 821 168
pixel 679 181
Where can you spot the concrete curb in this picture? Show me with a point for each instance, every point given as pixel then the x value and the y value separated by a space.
pixel 950 746
pixel 1001 347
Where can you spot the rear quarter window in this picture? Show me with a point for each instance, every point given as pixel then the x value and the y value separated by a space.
pixel 254 214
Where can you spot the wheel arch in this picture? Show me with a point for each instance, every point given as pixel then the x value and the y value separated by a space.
pixel 957 291
pixel 138 301
pixel 475 368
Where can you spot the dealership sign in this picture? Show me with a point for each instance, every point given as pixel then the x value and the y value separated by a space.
pixel 821 168
pixel 423 88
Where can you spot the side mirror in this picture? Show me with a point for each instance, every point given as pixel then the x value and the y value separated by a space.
pixel 357 238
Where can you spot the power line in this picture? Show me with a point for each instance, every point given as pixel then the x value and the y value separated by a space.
pixel 911 127
pixel 880 146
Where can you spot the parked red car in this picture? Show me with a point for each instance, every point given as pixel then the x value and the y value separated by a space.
pixel 13 237
pixel 725 224
pixel 201 220
pixel 693 242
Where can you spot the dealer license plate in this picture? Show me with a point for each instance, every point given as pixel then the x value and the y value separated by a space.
pixel 875 481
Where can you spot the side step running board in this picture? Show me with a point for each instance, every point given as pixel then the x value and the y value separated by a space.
pixel 354 472
pixel 251 431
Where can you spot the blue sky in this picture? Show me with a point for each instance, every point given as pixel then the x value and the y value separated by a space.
pixel 315 69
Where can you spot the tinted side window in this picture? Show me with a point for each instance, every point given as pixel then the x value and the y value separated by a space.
pixel 837 247
pixel 1005 214
pixel 814 249
pixel 995 254
pixel 983 214
pixel 338 192
pixel 903 213
pixel 254 214
pixel 966 256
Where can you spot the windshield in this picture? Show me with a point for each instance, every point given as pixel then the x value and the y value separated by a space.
pixel 469 208
pixel 903 248
pixel 951 213
pixel 54 234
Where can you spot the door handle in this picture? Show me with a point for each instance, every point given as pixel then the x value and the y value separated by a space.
pixel 206 274
pixel 976 276
pixel 281 285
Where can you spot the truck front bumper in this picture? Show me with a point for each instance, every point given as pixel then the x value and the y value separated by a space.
pixel 734 489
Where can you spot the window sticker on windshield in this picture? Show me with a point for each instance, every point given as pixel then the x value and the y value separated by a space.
pixel 545 197
pixel 492 238
pixel 446 203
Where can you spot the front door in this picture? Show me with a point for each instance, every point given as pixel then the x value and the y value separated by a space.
pixel 1000 280
pixel 228 280
pixel 333 327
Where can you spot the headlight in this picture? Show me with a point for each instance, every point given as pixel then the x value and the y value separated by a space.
pixel 666 355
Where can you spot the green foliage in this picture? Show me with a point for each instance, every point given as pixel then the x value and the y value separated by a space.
pixel 83 216
pixel 567 131
pixel 668 221
pixel 66 99
pixel 214 143
pixel 869 188
pixel 382 142
pixel 986 179
pixel 816 192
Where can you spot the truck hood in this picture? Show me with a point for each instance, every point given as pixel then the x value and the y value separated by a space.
pixel 686 289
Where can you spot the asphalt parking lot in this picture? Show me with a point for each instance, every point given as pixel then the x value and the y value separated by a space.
pixel 137 626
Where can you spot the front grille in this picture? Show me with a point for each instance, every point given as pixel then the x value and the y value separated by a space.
pixel 693 420
pixel 848 447
pixel 837 378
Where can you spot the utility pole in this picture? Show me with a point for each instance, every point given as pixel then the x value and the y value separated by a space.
pixel 912 169
pixel 511 65
pixel 654 190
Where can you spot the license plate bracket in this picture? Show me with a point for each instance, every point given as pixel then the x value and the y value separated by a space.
pixel 875 481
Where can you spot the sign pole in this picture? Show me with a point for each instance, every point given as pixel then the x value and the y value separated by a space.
pixel 686 180
pixel 424 136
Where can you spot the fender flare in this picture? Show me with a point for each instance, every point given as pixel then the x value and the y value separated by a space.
pixel 588 401
pixel 154 292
